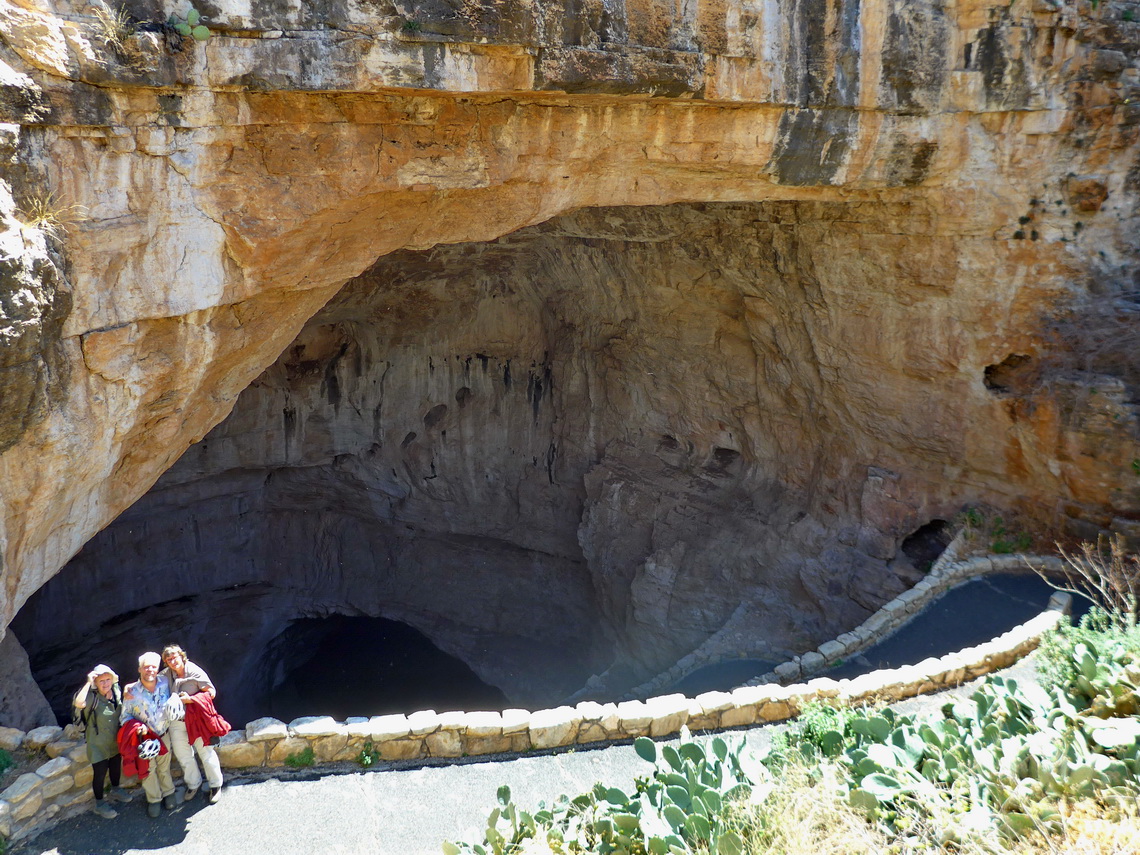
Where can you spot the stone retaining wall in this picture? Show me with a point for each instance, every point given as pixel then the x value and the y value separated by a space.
pixel 902 610
pixel 61 787
pixel 713 649
pixel 946 573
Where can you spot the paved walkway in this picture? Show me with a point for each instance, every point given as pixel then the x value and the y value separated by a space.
pixel 391 811
pixel 409 809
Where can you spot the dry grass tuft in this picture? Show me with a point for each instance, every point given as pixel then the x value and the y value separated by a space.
pixel 1090 828
pixel 805 813
pixel 118 30
pixel 49 215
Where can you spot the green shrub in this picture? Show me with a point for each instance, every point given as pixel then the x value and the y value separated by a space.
pixel 368 755
pixel 680 808
pixel 301 759
pixel 819 730
pixel 6 761
pixel 1097 629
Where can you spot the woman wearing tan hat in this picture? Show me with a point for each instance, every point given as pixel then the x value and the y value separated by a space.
pixel 97 707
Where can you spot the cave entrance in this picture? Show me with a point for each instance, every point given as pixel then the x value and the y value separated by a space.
pixel 361 666
pixel 569 457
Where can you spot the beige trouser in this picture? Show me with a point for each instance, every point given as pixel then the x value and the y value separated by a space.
pixel 180 744
pixel 158 783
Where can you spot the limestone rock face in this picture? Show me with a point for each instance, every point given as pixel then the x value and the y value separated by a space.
pixel 23 704
pixel 650 310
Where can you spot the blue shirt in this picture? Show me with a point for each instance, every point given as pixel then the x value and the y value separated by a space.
pixel 147 707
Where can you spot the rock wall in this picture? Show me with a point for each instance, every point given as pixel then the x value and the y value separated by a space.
pixel 905 192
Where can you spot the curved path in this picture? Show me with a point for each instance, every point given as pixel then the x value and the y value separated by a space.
pixel 401 809
pixel 408 808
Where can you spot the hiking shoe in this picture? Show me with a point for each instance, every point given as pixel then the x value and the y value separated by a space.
pixel 191 792
pixel 215 795
pixel 153 809
pixel 168 802
pixel 104 810
pixel 118 794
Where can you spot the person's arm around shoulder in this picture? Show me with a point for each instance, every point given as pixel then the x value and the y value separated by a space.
pixel 205 684
pixel 132 707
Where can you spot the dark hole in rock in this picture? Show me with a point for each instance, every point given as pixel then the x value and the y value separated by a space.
pixel 723 460
pixel 360 666
pixel 668 443
pixel 1014 375
pixel 461 396
pixel 408 439
pixel 435 415
pixel 926 543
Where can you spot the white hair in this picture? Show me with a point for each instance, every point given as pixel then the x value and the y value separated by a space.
pixel 150 654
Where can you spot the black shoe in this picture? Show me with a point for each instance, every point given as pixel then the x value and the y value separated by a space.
pixel 153 809
pixel 168 802
pixel 215 795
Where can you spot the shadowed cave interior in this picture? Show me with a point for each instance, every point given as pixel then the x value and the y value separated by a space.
pixel 545 466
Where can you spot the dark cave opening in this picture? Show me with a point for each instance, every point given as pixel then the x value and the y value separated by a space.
pixel 335 665
pixel 361 666
pixel 926 543
pixel 1014 375
pixel 583 503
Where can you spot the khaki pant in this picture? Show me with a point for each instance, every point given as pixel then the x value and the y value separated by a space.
pixel 158 784
pixel 184 752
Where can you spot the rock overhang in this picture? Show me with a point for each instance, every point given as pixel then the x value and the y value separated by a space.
pixel 223 165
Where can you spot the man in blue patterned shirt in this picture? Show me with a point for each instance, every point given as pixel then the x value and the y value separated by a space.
pixel 147 700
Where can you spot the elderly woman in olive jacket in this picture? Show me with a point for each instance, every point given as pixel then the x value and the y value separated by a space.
pixel 97 707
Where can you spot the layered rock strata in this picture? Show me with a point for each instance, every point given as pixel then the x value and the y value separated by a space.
pixel 827 321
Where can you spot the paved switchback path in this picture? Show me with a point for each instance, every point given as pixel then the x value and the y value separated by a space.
pixel 407 811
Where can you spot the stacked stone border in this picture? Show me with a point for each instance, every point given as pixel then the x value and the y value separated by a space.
pixel 61 787
pixel 947 572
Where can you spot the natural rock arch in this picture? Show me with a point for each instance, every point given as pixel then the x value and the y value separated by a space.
pixel 230 192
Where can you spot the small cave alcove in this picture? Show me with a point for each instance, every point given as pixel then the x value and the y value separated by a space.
pixel 926 543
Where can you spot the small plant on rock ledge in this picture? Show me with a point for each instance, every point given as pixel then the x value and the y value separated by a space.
pixel 192 25
pixel 117 29
pixel 302 759
pixel 991 533
pixel 46 213
pixel 368 755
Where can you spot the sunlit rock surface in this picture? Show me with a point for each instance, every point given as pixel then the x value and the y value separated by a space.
pixel 789 334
